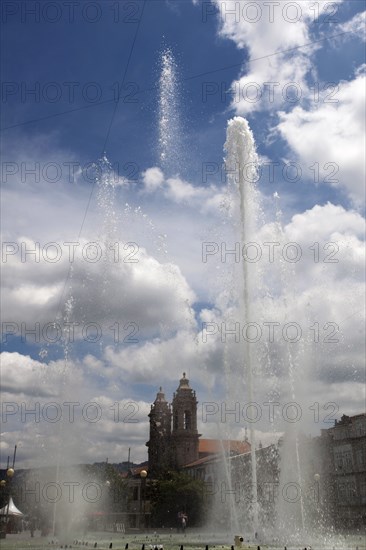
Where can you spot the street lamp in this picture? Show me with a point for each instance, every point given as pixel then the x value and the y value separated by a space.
pixel 143 475
pixel 3 483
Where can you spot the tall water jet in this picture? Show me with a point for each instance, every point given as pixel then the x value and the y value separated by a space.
pixel 106 199
pixel 241 165
pixel 64 375
pixel 65 515
pixel 170 149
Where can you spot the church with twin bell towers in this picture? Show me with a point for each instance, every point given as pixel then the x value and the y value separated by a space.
pixel 174 439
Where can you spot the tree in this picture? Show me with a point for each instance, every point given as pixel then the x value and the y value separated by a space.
pixel 175 492
pixel 118 489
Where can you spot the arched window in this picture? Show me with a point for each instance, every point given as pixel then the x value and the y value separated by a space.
pixel 187 420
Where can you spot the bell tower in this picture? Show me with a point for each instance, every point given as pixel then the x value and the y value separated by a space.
pixel 159 448
pixel 184 434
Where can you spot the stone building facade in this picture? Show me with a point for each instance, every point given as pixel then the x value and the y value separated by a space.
pixel 174 438
pixel 333 465
pixel 346 460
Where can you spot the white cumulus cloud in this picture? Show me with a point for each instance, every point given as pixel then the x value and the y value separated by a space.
pixel 332 135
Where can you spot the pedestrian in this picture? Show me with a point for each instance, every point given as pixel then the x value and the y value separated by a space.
pixel 180 515
pixel 32 527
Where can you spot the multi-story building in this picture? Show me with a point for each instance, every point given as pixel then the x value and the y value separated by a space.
pixel 173 429
pixel 228 478
pixel 346 460
pixel 174 439
pixel 333 465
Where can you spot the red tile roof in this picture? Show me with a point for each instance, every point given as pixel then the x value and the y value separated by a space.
pixel 214 446
pixel 204 460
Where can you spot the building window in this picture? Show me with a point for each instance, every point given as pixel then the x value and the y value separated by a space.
pixel 352 493
pixel 132 520
pixel 347 460
pixel 347 492
pixel 360 458
pixel 363 492
pixel 187 420
pixel 338 460
pixel 343 460
pixel 342 492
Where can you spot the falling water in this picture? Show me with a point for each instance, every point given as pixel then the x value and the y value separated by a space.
pixel 108 236
pixel 63 516
pixel 241 164
pixel 106 200
pixel 170 134
pixel 69 306
pixel 291 469
pixel 233 509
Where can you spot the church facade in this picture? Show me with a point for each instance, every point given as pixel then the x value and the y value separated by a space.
pixel 174 438
pixel 174 441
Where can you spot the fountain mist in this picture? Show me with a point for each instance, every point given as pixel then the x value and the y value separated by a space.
pixel 68 515
pixel 241 164
pixel 290 464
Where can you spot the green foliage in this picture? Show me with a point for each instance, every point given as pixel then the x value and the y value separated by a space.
pixel 176 492
pixel 118 491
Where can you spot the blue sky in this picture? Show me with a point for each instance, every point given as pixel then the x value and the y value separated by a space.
pixel 83 52
pixel 170 290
